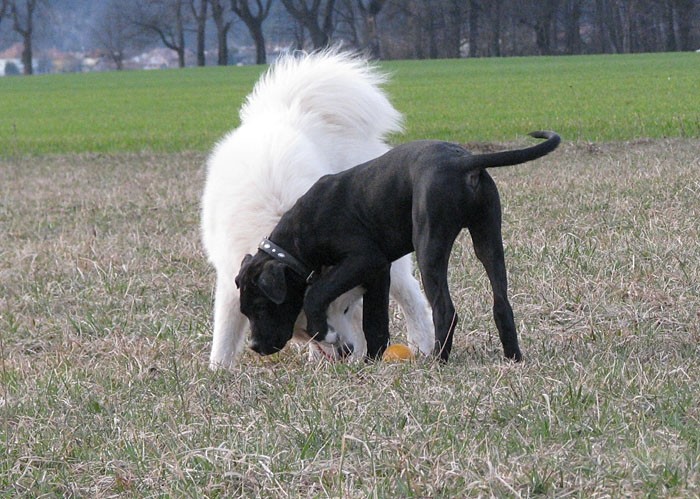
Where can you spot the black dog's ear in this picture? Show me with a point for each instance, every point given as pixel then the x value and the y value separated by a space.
pixel 246 260
pixel 272 282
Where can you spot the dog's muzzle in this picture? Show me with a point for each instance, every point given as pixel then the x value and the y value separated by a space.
pixel 261 349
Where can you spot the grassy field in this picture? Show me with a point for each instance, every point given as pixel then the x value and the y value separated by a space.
pixel 105 308
pixel 589 98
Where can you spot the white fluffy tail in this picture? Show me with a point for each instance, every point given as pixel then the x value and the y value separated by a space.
pixel 338 90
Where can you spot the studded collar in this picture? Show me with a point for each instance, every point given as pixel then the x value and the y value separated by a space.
pixel 283 256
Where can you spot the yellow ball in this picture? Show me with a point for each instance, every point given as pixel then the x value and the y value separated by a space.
pixel 397 353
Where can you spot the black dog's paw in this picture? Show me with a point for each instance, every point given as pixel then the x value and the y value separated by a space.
pixel 319 331
pixel 514 355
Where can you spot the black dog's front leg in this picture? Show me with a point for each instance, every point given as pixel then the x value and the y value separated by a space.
pixel 375 313
pixel 333 283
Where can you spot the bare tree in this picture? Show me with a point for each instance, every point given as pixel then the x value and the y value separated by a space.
pixel 199 14
pixel 167 20
pixel 254 23
pixel 603 14
pixel 540 16
pixel 473 19
pixel 416 23
pixel 683 10
pixel 115 34
pixel 496 19
pixel 369 10
pixel 316 16
pixel 435 27
pixel 454 19
pixel 348 24
pixel 110 34
pixel 355 22
pixel 4 8
pixel 23 23
pixel 573 26
pixel 223 24
pixel 425 28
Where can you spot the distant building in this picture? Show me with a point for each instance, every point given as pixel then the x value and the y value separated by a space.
pixel 11 66
pixel 10 60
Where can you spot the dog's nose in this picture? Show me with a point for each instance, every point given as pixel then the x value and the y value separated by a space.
pixel 255 347
pixel 263 348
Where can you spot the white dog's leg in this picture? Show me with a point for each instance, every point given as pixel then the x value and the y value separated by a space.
pixel 417 313
pixel 229 325
pixel 345 318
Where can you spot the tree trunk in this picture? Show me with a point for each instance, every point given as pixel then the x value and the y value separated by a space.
pixel 180 37
pixel 684 16
pixel 318 23
pixel 430 21
pixel 319 38
pixel 416 29
pixel 573 27
pixel 259 39
pixel 3 9
pixel 670 27
pixel 201 52
pixel 200 15
pixel 254 23
pixel 222 28
pixel 369 14
pixel 496 16
pixel 454 16
pixel 545 27
pixel 373 45
pixel 26 32
pixel 222 44
pixel 473 27
pixel 601 16
pixel 27 53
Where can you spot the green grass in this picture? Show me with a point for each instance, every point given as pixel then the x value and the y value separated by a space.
pixel 105 306
pixel 587 98
pixel 122 111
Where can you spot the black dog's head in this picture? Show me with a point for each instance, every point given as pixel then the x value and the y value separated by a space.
pixel 271 300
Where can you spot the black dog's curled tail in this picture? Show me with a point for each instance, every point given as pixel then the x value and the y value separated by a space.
pixel 516 156
pixel 546 134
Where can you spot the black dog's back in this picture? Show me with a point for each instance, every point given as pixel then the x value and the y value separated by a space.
pixel 391 185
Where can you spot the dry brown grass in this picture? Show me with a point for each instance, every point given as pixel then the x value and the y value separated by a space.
pixel 105 310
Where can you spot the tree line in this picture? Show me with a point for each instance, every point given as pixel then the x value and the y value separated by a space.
pixel 388 29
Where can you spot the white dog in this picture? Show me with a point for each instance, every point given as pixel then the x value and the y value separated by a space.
pixel 308 116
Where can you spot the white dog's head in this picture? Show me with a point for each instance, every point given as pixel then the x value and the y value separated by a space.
pixel 344 320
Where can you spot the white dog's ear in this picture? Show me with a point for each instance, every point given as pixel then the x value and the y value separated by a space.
pixel 246 260
pixel 272 282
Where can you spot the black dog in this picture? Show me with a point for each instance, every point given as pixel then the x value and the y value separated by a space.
pixel 418 196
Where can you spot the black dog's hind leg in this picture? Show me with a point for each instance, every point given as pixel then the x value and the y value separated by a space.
pixel 375 313
pixel 488 245
pixel 433 255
